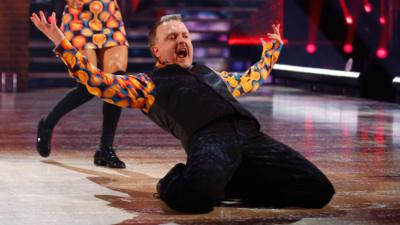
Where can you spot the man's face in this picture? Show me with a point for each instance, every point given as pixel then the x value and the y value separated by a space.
pixel 173 44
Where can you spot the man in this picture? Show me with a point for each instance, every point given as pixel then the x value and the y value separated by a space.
pixel 227 155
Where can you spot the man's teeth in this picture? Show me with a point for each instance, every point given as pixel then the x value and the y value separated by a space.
pixel 182 53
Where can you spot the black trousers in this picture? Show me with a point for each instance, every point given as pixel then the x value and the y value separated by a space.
pixel 232 159
pixel 77 96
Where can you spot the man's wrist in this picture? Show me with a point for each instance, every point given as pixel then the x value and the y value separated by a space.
pixel 57 39
pixel 57 42
pixel 63 46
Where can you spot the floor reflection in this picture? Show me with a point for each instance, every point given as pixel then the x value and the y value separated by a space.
pixel 355 142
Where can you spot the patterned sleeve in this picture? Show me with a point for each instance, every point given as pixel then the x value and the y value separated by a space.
pixel 132 90
pixel 253 78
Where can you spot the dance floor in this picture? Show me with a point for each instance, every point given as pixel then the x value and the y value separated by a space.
pixel 355 142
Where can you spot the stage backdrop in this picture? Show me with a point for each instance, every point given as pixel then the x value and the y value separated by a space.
pixel 14 36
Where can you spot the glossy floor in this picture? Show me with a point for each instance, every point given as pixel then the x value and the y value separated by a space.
pixel 355 142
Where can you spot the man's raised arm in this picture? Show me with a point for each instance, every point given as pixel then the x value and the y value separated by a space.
pixel 249 81
pixel 132 90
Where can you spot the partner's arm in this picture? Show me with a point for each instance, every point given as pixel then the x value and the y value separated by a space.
pixel 133 90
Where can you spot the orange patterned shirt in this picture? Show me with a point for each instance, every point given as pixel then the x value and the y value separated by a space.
pixel 135 90
pixel 97 24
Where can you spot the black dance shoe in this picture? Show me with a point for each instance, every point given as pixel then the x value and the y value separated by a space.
pixel 43 139
pixel 107 157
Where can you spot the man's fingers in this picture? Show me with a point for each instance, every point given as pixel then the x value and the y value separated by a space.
pixel 35 17
pixel 36 21
pixel 262 41
pixel 53 20
pixel 276 29
pixel 274 37
pixel 43 17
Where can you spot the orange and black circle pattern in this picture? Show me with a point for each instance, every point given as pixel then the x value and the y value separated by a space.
pixel 97 24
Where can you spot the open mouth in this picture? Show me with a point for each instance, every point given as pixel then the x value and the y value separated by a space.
pixel 182 52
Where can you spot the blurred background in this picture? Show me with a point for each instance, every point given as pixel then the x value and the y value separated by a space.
pixel 356 43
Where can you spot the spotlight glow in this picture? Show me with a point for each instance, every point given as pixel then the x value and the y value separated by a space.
pixel 348 48
pixel 349 19
pixel 382 20
pixel 367 7
pixel 310 48
pixel 381 53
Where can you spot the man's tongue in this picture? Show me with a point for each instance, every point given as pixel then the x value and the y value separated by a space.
pixel 181 53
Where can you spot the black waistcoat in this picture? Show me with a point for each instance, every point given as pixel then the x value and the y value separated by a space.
pixel 187 100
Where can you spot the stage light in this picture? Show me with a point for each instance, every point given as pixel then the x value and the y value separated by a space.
pixel 348 48
pixel 367 7
pixel 318 71
pixel 244 41
pixel 347 15
pixel 382 17
pixel 311 48
pixel 382 20
pixel 349 19
pixel 381 53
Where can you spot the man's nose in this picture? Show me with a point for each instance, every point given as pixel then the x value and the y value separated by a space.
pixel 179 39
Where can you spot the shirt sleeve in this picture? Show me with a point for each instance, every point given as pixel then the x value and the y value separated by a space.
pixel 256 75
pixel 131 90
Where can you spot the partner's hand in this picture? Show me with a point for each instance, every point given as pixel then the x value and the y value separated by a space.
pixel 50 28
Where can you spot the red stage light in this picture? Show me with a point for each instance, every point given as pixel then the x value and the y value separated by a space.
pixel 244 41
pixel 249 41
pixel 381 53
pixel 349 19
pixel 348 48
pixel 367 7
pixel 310 48
pixel 347 15
pixel 382 20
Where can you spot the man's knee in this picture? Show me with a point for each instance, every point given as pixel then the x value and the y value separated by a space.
pixel 203 193
pixel 186 197
pixel 192 202
pixel 193 192
pixel 323 193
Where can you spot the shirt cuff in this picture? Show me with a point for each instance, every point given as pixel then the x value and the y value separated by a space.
pixel 64 45
pixel 278 46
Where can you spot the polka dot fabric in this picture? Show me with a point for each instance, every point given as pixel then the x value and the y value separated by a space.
pixel 249 81
pixel 135 90
pixel 97 24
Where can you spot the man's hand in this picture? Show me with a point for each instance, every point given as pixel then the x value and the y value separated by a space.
pixel 276 36
pixel 49 29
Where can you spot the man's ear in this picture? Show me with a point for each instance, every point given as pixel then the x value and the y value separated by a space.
pixel 155 51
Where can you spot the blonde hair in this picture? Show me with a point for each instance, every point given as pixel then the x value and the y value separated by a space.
pixel 153 31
